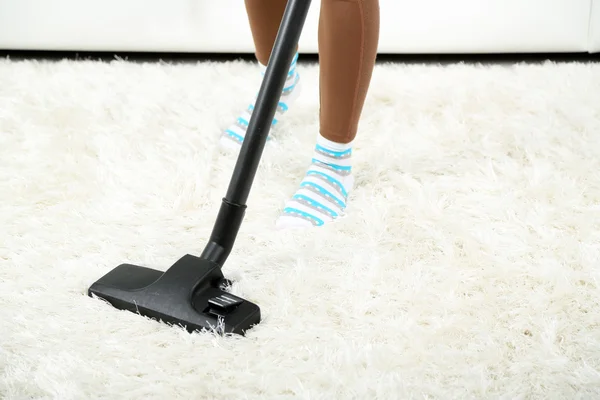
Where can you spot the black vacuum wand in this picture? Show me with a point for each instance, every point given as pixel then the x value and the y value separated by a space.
pixel 191 293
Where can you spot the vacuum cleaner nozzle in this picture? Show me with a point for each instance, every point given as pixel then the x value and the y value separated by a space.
pixel 188 294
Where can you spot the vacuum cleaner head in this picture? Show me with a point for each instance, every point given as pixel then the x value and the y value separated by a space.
pixel 189 294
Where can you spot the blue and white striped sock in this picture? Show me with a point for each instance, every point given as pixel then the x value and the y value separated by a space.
pixel 234 135
pixel 323 192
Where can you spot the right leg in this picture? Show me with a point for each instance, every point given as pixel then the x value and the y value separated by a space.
pixel 264 17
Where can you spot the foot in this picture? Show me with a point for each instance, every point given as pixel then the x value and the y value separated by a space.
pixel 323 192
pixel 234 135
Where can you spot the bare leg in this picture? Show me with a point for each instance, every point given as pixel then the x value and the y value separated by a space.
pixel 264 17
pixel 348 40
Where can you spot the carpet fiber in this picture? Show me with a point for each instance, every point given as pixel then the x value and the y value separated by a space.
pixel 468 266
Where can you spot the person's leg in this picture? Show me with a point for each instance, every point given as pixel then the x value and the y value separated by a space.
pixel 264 17
pixel 348 40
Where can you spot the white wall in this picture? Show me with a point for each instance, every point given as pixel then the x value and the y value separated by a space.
pixel 407 26
pixel 594 36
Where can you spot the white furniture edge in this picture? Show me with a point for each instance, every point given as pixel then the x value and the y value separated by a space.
pixel 407 26
pixel 594 26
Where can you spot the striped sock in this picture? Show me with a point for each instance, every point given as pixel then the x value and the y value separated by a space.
pixel 323 192
pixel 233 136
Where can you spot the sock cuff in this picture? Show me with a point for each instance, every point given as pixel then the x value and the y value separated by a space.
pixel 263 68
pixel 331 145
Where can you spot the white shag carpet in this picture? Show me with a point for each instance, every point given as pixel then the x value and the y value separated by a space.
pixel 469 266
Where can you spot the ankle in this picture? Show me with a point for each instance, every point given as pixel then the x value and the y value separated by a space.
pixel 323 192
pixel 233 136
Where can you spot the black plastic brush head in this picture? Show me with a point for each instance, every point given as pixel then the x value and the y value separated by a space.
pixel 189 294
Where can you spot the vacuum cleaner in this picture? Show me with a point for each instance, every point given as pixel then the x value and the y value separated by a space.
pixel 193 292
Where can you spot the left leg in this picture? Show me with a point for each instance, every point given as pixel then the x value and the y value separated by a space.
pixel 348 40
pixel 264 18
